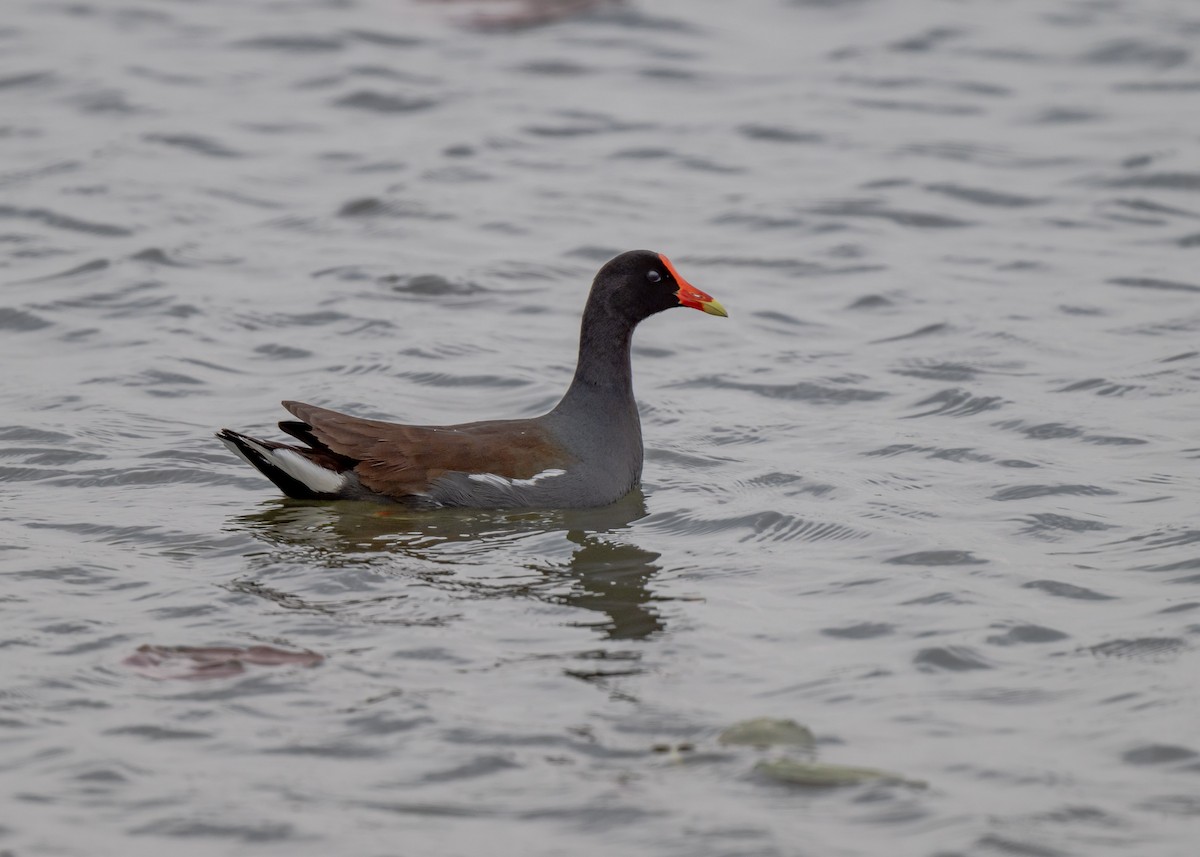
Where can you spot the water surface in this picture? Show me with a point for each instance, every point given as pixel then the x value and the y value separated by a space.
pixel 931 490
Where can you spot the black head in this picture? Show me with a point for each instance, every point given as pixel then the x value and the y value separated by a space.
pixel 639 283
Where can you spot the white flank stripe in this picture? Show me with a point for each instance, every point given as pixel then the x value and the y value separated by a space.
pixel 505 482
pixel 492 479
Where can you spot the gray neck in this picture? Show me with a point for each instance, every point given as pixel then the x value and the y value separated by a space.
pixel 597 419
pixel 603 376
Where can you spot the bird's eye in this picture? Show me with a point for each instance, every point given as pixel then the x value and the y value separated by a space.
pixel 653 276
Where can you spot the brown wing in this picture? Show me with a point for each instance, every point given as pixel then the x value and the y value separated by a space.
pixel 399 460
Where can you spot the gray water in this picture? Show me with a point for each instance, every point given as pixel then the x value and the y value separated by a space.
pixel 932 489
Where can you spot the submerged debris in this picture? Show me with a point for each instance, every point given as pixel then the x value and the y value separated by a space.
pixel 197 662
pixel 764 733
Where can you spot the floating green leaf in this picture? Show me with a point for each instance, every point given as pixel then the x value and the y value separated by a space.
pixel 768 732
pixel 824 775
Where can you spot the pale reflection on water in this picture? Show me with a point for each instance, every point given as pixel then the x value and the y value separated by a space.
pixel 604 573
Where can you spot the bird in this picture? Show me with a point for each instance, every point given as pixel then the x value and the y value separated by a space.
pixel 585 452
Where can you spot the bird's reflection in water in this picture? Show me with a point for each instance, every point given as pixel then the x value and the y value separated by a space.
pixel 606 573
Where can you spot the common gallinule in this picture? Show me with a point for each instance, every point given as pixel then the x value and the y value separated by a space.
pixel 587 451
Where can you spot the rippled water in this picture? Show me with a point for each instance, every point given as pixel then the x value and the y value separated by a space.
pixel 931 490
